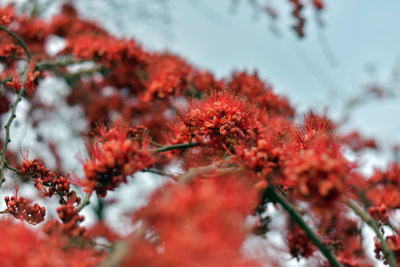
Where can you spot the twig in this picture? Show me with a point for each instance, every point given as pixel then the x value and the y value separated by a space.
pixel 57 63
pixel 7 140
pixel 12 169
pixel 156 172
pixel 20 41
pixel 84 202
pixel 177 146
pixel 387 252
pixel 3 160
pixel 295 215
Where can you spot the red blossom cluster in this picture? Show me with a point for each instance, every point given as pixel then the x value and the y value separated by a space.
pixel 32 250
pixel 113 157
pixel 383 187
pixel 70 220
pixel 6 14
pixel 219 121
pixel 205 218
pixel 379 213
pixel 22 209
pixel 318 173
pixel 46 181
pixel 393 242
pixel 299 243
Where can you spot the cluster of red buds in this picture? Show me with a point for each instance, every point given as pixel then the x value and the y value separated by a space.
pixel 114 157
pixel 22 209
pixel 379 213
pixel 69 215
pixel 48 182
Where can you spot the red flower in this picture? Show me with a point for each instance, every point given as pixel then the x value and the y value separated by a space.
pixel 15 84
pixel 220 120
pixel 22 209
pixel 205 218
pixel 114 157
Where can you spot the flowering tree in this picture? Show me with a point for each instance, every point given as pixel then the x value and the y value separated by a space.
pixel 243 159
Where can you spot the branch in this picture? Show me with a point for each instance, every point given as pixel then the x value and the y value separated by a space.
pixel 84 203
pixel 177 146
pixel 48 64
pixel 3 160
pixel 387 252
pixel 7 140
pixel 295 215
pixel 20 41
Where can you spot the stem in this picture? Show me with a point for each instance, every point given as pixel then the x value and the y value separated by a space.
pixel 12 169
pixel 156 172
pixel 3 160
pixel 177 146
pixel 84 203
pixel 295 215
pixel 21 42
pixel 387 252
pixel 58 63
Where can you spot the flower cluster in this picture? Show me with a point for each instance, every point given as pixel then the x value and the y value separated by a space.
pixel 22 209
pixel 6 14
pixel 384 187
pixel 260 93
pixel 379 213
pixel 32 249
pixel 205 218
pixel 48 182
pixel 394 244
pixel 220 121
pixel 317 173
pixel 114 157
pixel 70 220
pixel 299 243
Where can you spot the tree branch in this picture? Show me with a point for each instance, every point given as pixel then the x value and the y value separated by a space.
pixel 387 252
pixel 3 160
pixel 177 146
pixel 84 203
pixel 7 140
pixel 20 41
pixel 295 215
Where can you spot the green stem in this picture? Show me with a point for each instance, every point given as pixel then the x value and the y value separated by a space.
pixel 295 215
pixel 20 41
pixel 177 146
pixel 3 160
pixel 387 252
pixel 12 169
pixel 7 140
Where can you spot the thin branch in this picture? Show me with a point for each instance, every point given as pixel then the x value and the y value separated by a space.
pixel 84 203
pixel 177 146
pixel 387 252
pixel 7 140
pixel 156 172
pixel 20 41
pixel 57 63
pixel 295 215
pixel 12 169
pixel 3 160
